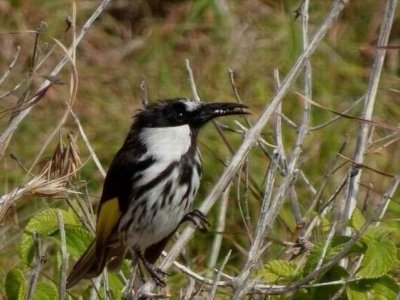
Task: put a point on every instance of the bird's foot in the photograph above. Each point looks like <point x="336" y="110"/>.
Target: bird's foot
<point x="198" y="219"/>
<point x="156" y="273"/>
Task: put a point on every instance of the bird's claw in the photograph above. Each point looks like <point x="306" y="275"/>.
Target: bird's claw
<point x="198" y="219"/>
<point x="157" y="274"/>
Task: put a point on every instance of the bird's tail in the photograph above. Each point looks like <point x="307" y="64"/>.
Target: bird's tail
<point x="88" y="266"/>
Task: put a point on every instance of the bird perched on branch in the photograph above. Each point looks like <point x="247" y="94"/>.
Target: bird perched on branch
<point x="150" y="187"/>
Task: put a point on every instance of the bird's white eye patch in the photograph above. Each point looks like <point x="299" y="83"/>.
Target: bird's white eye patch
<point x="191" y="105"/>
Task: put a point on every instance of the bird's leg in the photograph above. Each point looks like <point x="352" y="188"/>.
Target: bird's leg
<point x="198" y="219"/>
<point x="155" y="272"/>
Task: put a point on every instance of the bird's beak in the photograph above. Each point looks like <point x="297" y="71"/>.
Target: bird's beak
<point x="208" y="111"/>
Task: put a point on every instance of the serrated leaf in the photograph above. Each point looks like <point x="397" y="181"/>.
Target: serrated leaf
<point x="45" y="291"/>
<point x="386" y="287"/>
<point x="334" y="248"/>
<point x="77" y="238"/>
<point x="355" y="293"/>
<point x="380" y="257"/>
<point x="45" y="223"/>
<point x="279" y="271"/>
<point x="357" y="219"/>
<point x="15" y="285"/>
<point x="374" y="232"/>
<point x="327" y="292"/>
<point x="316" y="251"/>
<point x="325" y="224"/>
<point x="26" y="249"/>
<point x="380" y="288"/>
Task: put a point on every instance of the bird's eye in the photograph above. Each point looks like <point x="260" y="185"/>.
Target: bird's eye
<point x="179" y="117"/>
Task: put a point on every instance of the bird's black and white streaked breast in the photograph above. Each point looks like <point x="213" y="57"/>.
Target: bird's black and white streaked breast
<point x="164" y="190"/>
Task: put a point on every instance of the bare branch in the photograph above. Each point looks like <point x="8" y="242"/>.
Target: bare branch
<point x="64" y="258"/>
<point x="218" y="276"/>
<point x="241" y="280"/>
<point x="36" y="268"/>
<point x="216" y="246"/>
<point x="364" y="129"/>
<point x="254" y="133"/>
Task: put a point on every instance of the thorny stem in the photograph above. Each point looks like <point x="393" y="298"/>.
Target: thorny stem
<point x="254" y="252"/>
<point x="216" y="246"/>
<point x="64" y="258"/>
<point x="269" y="289"/>
<point x="254" y="133"/>
<point x="364" y="128"/>
<point x="266" y="220"/>
<point x="304" y="128"/>
<point x="218" y="276"/>
<point x="36" y="269"/>
<point x="278" y="126"/>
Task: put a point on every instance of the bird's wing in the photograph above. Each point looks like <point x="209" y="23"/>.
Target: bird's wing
<point x="114" y="200"/>
<point x="108" y="216"/>
<point x="116" y="196"/>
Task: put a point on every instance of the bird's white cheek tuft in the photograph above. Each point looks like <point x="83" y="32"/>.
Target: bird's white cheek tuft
<point x="167" y="142"/>
<point x="191" y="105"/>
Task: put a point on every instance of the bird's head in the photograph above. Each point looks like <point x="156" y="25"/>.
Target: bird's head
<point x="178" y="112"/>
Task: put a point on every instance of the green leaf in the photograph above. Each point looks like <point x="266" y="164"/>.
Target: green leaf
<point x="26" y="249"/>
<point x="15" y="285"/>
<point x="45" y="291"/>
<point x="386" y="287"/>
<point x="301" y="294"/>
<point x="279" y="271"/>
<point x="116" y="286"/>
<point x="377" y="232"/>
<point x="325" y="224"/>
<point x="380" y="256"/>
<point x="356" y="293"/>
<point x="334" y="248"/>
<point x="77" y="238"/>
<point x="357" y="219"/>
<point x="45" y="223"/>
<point x="380" y="288"/>
<point x="327" y="292"/>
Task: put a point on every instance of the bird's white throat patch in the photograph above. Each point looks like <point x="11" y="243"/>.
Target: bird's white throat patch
<point x="167" y="142"/>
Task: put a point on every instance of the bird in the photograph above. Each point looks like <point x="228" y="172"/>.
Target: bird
<point x="150" y="186"/>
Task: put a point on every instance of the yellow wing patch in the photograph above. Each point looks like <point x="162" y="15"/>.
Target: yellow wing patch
<point x="107" y="218"/>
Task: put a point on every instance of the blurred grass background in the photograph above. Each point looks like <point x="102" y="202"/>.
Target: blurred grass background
<point x="150" y="40"/>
